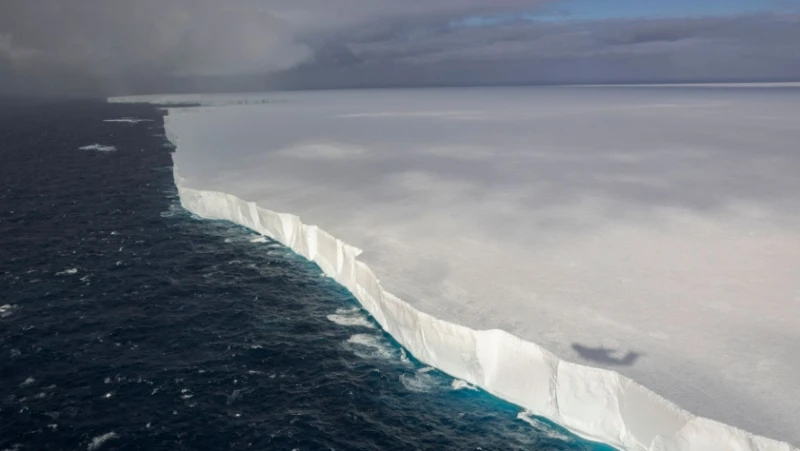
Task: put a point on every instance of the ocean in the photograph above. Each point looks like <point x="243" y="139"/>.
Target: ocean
<point x="127" y="323"/>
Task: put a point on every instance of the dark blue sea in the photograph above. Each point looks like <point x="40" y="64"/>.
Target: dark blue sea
<point x="128" y="324"/>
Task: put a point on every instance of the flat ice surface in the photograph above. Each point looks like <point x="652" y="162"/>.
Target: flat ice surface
<point x="655" y="232"/>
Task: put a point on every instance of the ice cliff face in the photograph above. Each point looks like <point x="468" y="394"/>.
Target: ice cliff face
<point x="595" y="403"/>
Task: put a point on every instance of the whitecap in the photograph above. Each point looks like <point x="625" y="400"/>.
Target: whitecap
<point x="370" y="347"/>
<point x="459" y="384"/>
<point x="99" y="148"/>
<point x="354" y="319"/>
<point x="258" y="239"/>
<point x="100" y="439"/>
<point x="421" y="381"/>
<point x="404" y="357"/>
<point x="541" y="428"/>
<point x="6" y="310"/>
<point x="67" y="272"/>
<point x="28" y="381"/>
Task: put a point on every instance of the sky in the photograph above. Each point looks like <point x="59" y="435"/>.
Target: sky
<point x="108" y="47"/>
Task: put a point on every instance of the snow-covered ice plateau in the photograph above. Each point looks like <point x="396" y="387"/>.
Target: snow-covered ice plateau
<point x="561" y="248"/>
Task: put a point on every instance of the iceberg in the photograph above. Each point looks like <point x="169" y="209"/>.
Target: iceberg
<point x="507" y="233"/>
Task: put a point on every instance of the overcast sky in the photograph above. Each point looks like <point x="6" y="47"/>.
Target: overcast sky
<point x="132" y="46"/>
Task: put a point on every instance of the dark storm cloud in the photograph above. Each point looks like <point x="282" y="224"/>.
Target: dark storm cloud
<point x="124" y="45"/>
<point x="773" y="36"/>
<point x="753" y="47"/>
<point x="113" y="42"/>
<point x="116" y="46"/>
<point x="310" y="17"/>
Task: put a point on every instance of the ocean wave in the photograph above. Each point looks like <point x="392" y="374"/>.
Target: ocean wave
<point x="67" y="272"/>
<point x="459" y="384"/>
<point x="422" y="381"/>
<point x="369" y="346"/>
<point x="7" y="310"/>
<point x="350" y="319"/>
<point x="100" y="439"/>
<point x="541" y="427"/>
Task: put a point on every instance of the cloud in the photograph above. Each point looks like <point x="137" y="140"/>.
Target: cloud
<point x="315" y="17"/>
<point x="772" y="34"/>
<point x="630" y="50"/>
<point x="124" y="46"/>
<point x="117" y="41"/>
<point x="203" y="37"/>
<point x="12" y="53"/>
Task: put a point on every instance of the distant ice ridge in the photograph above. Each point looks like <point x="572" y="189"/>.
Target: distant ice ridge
<point x="196" y="99"/>
<point x="257" y="98"/>
<point x="99" y="148"/>
<point x="127" y="120"/>
<point x="594" y="403"/>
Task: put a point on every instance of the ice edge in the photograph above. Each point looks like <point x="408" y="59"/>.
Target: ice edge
<point x="594" y="403"/>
